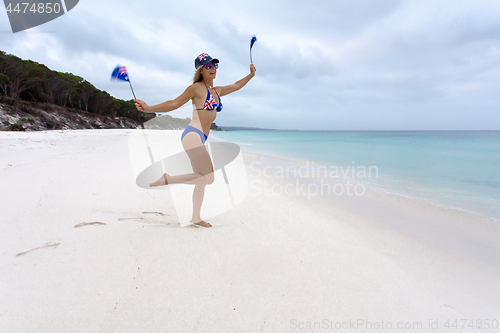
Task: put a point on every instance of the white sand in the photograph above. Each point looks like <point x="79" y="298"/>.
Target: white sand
<point x="272" y="264"/>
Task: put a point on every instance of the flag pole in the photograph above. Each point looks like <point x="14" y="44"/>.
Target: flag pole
<point x="131" y="89"/>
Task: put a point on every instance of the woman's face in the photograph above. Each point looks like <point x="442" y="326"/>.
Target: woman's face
<point x="209" y="71"/>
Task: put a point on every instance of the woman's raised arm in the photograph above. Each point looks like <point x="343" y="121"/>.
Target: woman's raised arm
<point x="168" y="105"/>
<point x="225" y="90"/>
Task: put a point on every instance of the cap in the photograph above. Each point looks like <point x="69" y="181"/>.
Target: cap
<point x="203" y="59"/>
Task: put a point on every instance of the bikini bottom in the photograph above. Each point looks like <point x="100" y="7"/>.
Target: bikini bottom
<point x="190" y="128"/>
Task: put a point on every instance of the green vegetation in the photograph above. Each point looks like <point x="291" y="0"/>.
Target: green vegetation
<point x="33" y="82"/>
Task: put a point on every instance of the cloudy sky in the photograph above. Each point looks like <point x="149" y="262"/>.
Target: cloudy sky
<point x="321" y="64"/>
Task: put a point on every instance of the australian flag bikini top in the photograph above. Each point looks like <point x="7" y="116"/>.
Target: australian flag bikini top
<point x="210" y="103"/>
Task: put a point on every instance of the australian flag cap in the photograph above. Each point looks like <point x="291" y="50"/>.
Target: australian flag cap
<point x="203" y="59"/>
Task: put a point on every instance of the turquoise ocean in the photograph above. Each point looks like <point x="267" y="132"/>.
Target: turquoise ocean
<point x="457" y="169"/>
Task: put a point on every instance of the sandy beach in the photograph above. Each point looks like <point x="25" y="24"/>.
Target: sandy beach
<point x="84" y="249"/>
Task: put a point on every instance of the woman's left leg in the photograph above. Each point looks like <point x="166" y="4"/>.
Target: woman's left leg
<point x="198" y="195"/>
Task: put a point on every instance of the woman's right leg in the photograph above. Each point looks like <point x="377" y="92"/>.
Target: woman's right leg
<point x="200" y="161"/>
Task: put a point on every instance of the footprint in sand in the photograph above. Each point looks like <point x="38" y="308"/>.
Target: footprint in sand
<point x="147" y="220"/>
<point x="141" y="218"/>
<point x="89" y="223"/>
<point x="130" y="218"/>
<point x="155" y="213"/>
<point x="48" y="245"/>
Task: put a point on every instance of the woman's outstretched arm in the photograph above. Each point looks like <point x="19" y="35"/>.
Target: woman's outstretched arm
<point x="168" y="105"/>
<point x="225" y="90"/>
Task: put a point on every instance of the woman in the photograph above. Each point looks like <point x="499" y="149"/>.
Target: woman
<point x="206" y="101"/>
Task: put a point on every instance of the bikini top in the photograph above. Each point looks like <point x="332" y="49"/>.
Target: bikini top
<point x="210" y="103"/>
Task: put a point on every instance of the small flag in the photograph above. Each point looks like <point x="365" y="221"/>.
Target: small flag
<point x="254" y="39"/>
<point x="120" y="73"/>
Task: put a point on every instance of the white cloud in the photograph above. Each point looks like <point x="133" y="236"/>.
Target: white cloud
<point x="321" y="64"/>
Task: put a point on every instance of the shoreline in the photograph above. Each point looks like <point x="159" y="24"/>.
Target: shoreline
<point x="385" y="185"/>
<point x="464" y="232"/>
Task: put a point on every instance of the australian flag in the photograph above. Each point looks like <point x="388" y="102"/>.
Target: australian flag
<point x="120" y="73"/>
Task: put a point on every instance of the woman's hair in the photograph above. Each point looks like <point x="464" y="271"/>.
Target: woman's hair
<point x="197" y="75"/>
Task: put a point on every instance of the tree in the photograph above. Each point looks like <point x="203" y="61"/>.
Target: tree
<point x="20" y="75"/>
<point x="84" y="90"/>
<point x="4" y="83"/>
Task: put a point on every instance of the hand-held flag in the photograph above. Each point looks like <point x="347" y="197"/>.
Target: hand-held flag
<point x="252" y="41"/>
<point x="120" y="73"/>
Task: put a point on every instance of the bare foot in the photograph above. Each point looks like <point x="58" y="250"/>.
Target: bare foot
<point x="161" y="181"/>
<point x="203" y="224"/>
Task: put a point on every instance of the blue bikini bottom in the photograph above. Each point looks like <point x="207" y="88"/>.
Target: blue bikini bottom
<point x="190" y="128"/>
